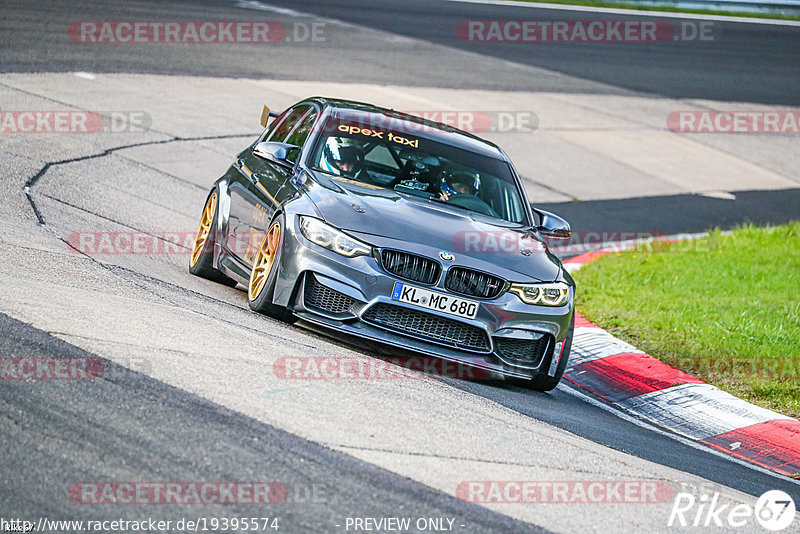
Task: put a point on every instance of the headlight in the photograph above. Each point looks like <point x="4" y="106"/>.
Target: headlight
<point x="329" y="237"/>
<point x="552" y="294"/>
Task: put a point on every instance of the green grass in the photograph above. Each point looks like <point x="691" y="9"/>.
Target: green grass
<point x="665" y="8"/>
<point x="725" y="308"/>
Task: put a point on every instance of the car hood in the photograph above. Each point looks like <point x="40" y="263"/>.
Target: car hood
<point x="384" y="218"/>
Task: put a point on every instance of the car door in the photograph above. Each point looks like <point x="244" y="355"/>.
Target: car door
<point x="253" y="206"/>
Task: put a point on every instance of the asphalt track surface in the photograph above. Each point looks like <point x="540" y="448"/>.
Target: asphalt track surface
<point x="680" y="214"/>
<point x="140" y="427"/>
<point x="129" y="423"/>
<point x="744" y="62"/>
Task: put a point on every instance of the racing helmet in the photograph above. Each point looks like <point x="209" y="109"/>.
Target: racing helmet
<point x="342" y="157"/>
<point x="461" y="182"/>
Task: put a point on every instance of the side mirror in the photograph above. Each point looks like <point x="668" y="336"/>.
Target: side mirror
<point x="266" y="114"/>
<point x="275" y="152"/>
<point x="553" y="226"/>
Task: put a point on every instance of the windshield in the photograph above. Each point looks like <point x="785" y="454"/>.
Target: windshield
<point x="418" y="166"/>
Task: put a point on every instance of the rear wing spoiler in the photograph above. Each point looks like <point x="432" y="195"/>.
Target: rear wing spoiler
<point x="266" y="113"/>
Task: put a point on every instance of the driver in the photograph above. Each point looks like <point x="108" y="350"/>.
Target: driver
<point x="459" y="183"/>
<point x="343" y="157"/>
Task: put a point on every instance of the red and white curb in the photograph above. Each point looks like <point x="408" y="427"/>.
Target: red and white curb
<point x="649" y="388"/>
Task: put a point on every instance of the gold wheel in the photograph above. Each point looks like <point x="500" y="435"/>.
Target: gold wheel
<point x="265" y="257"/>
<point x="203" y="229"/>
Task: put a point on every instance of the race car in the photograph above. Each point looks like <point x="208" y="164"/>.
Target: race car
<point x="393" y="228"/>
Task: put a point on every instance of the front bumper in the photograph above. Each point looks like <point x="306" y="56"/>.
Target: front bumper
<point x="354" y="288"/>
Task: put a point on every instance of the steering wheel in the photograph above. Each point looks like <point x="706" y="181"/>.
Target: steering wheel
<point x="472" y="203"/>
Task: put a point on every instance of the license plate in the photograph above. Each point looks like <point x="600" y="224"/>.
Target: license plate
<point x="433" y="300"/>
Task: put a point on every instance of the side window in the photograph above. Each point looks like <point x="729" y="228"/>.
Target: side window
<point x="268" y="130"/>
<point x="272" y="125"/>
<point x="300" y="134"/>
<point x="291" y="119"/>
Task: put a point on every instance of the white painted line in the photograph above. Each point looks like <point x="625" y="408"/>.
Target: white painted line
<point x="721" y="195"/>
<point x="261" y="6"/>
<point x="680" y="439"/>
<point x="84" y="75"/>
<point x="634" y="12"/>
<point x="698" y="411"/>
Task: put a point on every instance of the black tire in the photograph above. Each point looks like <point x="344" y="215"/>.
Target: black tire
<point x="544" y="382"/>
<point x="203" y="264"/>
<point x="261" y="301"/>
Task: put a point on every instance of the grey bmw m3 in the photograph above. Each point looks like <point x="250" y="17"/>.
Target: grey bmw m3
<point x="396" y="229"/>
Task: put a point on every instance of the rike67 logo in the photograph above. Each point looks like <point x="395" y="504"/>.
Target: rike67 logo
<point x="774" y="510"/>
